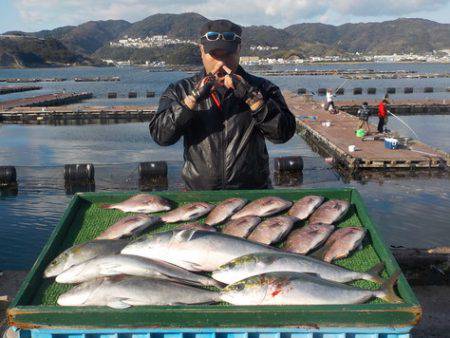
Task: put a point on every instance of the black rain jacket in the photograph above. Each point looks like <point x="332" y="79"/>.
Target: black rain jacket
<point x="224" y="148"/>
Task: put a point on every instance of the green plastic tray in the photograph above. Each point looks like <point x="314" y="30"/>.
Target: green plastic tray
<point x="35" y="303"/>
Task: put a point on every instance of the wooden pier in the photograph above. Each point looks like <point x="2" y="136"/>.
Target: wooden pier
<point x="334" y="141"/>
<point x="17" y="89"/>
<point x="56" y="99"/>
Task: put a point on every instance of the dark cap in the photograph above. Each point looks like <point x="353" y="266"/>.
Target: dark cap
<point x="220" y="26"/>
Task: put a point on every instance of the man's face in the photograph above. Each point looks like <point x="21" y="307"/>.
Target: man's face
<point x="218" y="58"/>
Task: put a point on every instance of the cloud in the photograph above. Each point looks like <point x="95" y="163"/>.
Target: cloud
<point x="279" y="13"/>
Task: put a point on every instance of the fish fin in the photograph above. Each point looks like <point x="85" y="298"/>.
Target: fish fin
<point x="184" y="235"/>
<point x="387" y="292"/>
<point x="109" y="269"/>
<point x="191" y="266"/>
<point x="118" y="303"/>
<point x="319" y="253"/>
<point x="106" y="206"/>
<point x="374" y="272"/>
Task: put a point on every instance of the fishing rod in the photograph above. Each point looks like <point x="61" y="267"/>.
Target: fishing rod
<point x="404" y="123"/>
<point x="340" y="86"/>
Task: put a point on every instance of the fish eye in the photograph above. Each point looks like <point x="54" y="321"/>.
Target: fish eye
<point x="239" y="287"/>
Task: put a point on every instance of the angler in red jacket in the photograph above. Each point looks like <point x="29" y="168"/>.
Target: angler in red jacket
<point x="382" y="115"/>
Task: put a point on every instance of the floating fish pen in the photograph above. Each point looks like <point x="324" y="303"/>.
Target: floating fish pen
<point x="97" y="79"/>
<point x="56" y="99"/>
<point x="86" y="114"/>
<point x="32" y="80"/>
<point x="9" y="90"/>
<point x="35" y="313"/>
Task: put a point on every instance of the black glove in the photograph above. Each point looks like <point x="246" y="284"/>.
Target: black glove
<point x="244" y="90"/>
<point x="200" y="93"/>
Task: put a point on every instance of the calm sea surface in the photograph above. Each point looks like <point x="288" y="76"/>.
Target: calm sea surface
<point x="412" y="211"/>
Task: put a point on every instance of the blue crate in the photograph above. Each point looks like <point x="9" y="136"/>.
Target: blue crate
<point x="307" y="332"/>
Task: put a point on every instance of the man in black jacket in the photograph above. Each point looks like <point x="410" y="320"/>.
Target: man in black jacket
<point x="224" y="115"/>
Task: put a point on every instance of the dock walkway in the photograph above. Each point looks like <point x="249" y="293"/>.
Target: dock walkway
<point x="55" y="99"/>
<point x="334" y="141"/>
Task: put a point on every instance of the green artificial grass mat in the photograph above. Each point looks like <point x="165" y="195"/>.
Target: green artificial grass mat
<point x="91" y="220"/>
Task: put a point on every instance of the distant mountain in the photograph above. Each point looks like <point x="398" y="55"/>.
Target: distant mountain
<point x="306" y="39"/>
<point x="27" y="51"/>
<point x="186" y="25"/>
<point x="397" y="36"/>
<point x="85" y="38"/>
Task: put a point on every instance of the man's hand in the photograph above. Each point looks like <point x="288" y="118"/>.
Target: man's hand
<point x="203" y="88"/>
<point x="243" y="90"/>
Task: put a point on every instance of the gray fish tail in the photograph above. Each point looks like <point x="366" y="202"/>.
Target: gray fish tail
<point x="373" y="274"/>
<point x="387" y="292"/>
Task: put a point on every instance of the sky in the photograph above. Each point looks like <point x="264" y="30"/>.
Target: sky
<point x="34" y="15"/>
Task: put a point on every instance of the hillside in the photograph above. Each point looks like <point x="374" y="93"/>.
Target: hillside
<point x="25" y="51"/>
<point x="305" y="39"/>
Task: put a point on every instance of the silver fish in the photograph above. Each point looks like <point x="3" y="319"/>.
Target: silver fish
<point x="129" y="225"/>
<point x="342" y="242"/>
<point x="112" y="265"/>
<point x="224" y="210"/>
<point x="83" y="252"/>
<point x="258" y="263"/>
<point x="121" y="292"/>
<point x="330" y="212"/>
<point x="194" y="250"/>
<point x="291" y="288"/>
<point x="196" y="226"/>
<point x="272" y="230"/>
<point x="187" y="212"/>
<point x="263" y="207"/>
<point x="141" y="203"/>
<point x="241" y="227"/>
<point x="304" y="239"/>
<point x="305" y="206"/>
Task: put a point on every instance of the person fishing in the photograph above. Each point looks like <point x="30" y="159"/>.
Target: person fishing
<point x="382" y="115"/>
<point x="363" y="115"/>
<point x="329" y="104"/>
<point x="224" y="115"/>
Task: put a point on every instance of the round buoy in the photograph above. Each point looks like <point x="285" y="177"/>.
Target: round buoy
<point x="79" y="172"/>
<point x="152" y="169"/>
<point x="8" y="175"/>
<point x="288" y="164"/>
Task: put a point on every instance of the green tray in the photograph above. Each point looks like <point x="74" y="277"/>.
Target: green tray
<point x="35" y="303"/>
